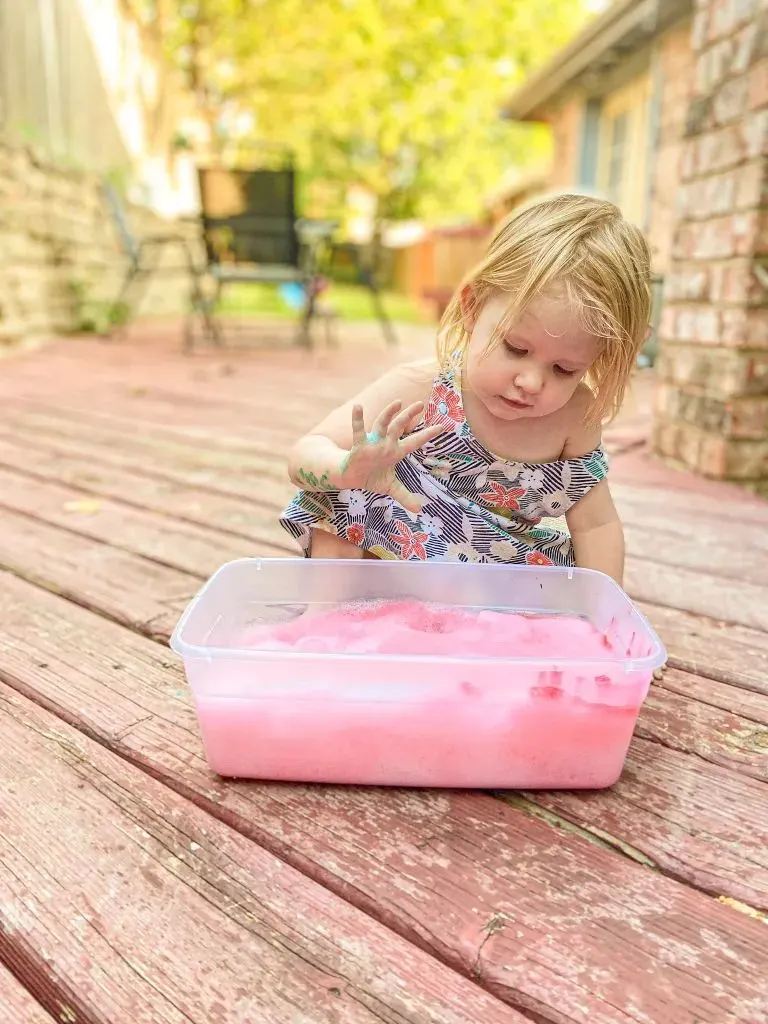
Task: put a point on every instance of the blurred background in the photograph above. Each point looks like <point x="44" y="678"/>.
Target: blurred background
<point x="332" y="162"/>
<point x="411" y="125"/>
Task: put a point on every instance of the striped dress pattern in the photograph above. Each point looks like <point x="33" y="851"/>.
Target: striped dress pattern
<point x="479" y="507"/>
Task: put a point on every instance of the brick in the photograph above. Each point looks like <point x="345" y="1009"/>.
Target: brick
<point x="744" y="328"/>
<point x="688" y="444"/>
<point x="758" y="85"/>
<point x="756" y="375"/>
<point x="687" y="285"/>
<point x="748" y="45"/>
<point x="700" y="28"/>
<point x="761" y="234"/>
<point x="726" y="147"/>
<point x="668" y="324"/>
<point x="751" y="185"/>
<point x="731" y="101"/>
<point x="708" y="326"/>
<point x="711" y="457"/>
<point x="53" y="230"/>
<point x="748" y="418"/>
<point x="745" y="9"/>
<point x="738" y="284"/>
<point x="707" y="412"/>
<point x="685" y="324"/>
<point x="716" y="239"/>
<point x="723" y="19"/>
<point x="746" y="459"/>
<point x="684" y="241"/>
<point x="723" y="372"/>
<point x="689" y="164"/>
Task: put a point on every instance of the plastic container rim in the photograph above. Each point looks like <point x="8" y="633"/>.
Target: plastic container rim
<point x="206" y="652"/>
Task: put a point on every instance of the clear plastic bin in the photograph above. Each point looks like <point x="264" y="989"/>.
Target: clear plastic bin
<point x="459" y="722"/>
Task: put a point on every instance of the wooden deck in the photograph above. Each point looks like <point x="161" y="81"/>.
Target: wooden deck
<point x="138" y="888"/>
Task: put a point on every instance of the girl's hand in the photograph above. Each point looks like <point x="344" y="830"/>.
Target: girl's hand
<point x="370" y="463"/>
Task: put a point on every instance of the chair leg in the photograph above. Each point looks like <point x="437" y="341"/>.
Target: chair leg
<point x="213" y="330"/>
<point x="304" y="333"/>
<point x="136" y="280"/>
<point x="133" y="272"/>
<point x="378" y="307"/>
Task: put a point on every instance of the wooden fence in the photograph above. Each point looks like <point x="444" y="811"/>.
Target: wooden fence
<point x="53" y="97"/>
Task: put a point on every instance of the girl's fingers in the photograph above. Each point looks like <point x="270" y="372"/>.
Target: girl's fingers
<point x="381" y="426"/>
<point x="404" y="419"/>
<point x="419" y="438"/>
<point x="358" y="426"/>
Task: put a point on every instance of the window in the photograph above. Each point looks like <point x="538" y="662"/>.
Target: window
<point x="590" y="135"/>
<point x="623" y="164"/>
<point x="617" y="157"/>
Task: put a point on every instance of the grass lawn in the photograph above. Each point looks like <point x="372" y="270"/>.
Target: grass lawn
<point x="351" y="302"/>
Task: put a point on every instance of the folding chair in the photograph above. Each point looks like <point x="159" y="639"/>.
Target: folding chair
<point x="252" y="235"/>
<point x="143" y="255"/>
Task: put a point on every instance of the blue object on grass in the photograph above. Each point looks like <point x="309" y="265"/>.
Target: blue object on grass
<point x="292" y="294"/>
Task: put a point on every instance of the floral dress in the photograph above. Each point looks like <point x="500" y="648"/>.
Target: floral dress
<point x="481" y="509"/>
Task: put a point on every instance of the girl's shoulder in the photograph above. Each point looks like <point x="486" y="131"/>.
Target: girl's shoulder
<point x="420" y="371"/>
<point x="582" y="434"/>
<point x="413" y="380"/>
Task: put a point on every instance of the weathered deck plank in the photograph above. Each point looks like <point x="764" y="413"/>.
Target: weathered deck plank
<point x="124" y="486"/>
<point x="180" y="545"/>
<point x="710" y="647"/>
<point x="439" y="867"/>
<point x="687" y="584"/>
<point x="239" y="516"/>
<point x="18" y="1005"/>
<point x="136" y="591"/>
<point x="140" y="908"/>
<point x="686" y="714"/>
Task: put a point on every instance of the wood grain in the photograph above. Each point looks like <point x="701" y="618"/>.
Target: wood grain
<point x="700" y="716"/>
<point x="572" y="928"/>
<point x="178" y="501"/>
<point x="687" y="584"/>
<point x="18" y="1005"/>
<point x="710" y="647"/>
<point x="147" y="909"/>
<point x="136" y="591"/>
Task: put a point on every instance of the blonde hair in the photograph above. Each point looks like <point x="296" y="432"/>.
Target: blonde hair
<point x="578" y="244"/>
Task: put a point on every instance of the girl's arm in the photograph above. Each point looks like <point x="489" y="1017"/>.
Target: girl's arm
<point x="322" y="459"/>
<point x="593" y="522"/>
<point x="597" y="533"/>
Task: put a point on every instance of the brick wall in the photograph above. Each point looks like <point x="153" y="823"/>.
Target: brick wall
<point x="712" y="410"/>
<point x="676" y="74"/>
<point x="60" y="258"/>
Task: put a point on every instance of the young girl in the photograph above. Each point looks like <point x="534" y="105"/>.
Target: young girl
<point x="492" y="451"/>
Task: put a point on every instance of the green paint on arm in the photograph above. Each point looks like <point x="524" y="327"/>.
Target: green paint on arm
<point x="312" y="482"/>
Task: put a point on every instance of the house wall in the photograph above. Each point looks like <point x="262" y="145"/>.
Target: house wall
<point x="712" y="410"/>
<point x="674" y="75"/>
<point x="655" y="87"/>
<point x="566" y="122"/>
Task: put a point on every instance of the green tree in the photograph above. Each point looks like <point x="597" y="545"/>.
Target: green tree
<point x="401" y="96"/>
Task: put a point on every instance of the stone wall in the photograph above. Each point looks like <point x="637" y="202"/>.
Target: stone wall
<point x="712" y="410"/>
<point x="61" y="261"/>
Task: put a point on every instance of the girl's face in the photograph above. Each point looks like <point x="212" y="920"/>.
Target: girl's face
<point x="536" y="368"/>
